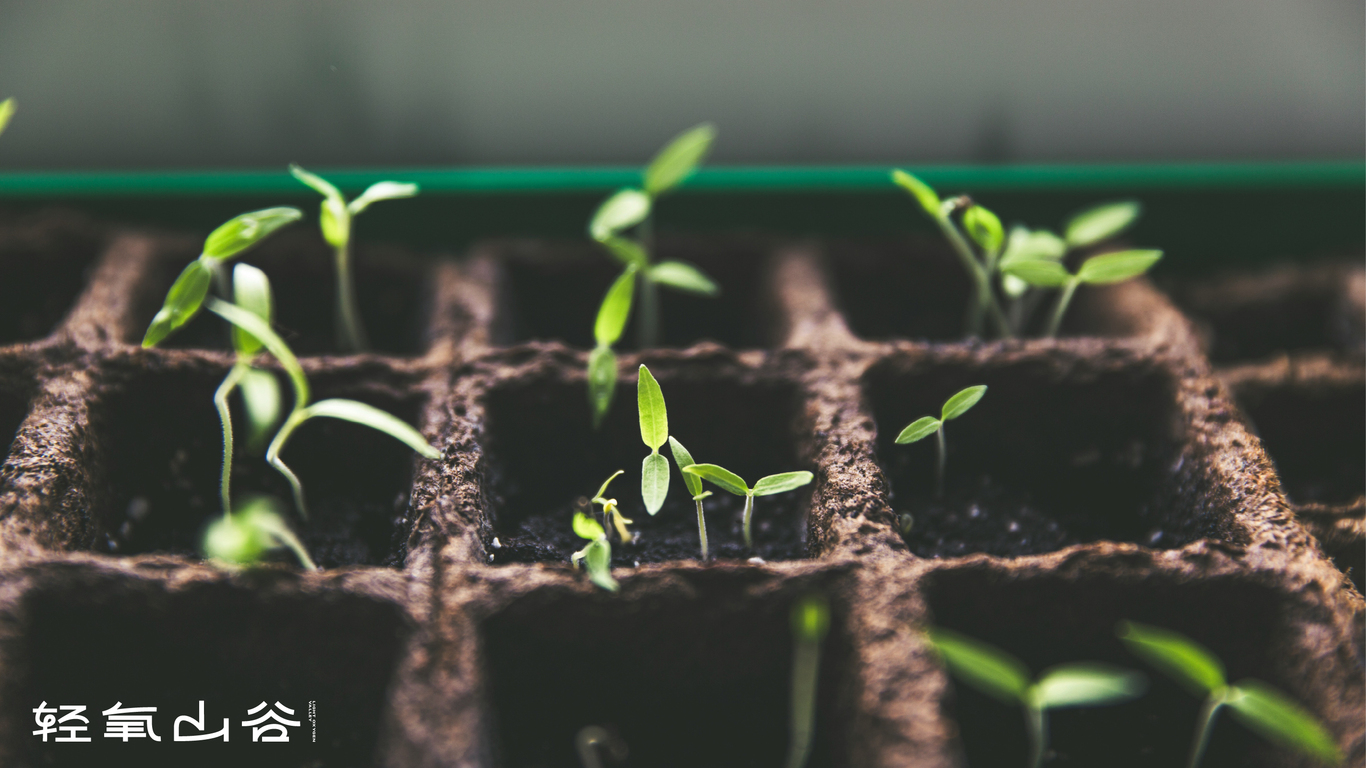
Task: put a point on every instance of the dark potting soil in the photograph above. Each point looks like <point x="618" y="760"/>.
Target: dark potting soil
<point x="44" y="261"/>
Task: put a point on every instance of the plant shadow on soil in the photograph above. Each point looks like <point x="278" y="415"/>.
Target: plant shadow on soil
<point x="393" y="290"/>
<point x="164" y="454"/>
<point x="1044" y="461"/>
<point x="555" y="293"/>
<point x="544" y="460"/>
<point x="1050" y="620"/>
<point x="95" y="641"/>
<point x="695" y="679"/>
<point x="44" y="262"/>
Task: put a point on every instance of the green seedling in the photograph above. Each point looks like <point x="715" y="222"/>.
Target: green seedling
<point x="594" y="740"/>
<point x="1255" y="704"/>
<point x="1005" y="678"/>
<point x="694" y="484"/>
<point x="611" y="516"/>
<point x="1098" y="270"/>
<point x="190" y="289"/>
<point x="810" y="622"/>
<point x="602" y="361"/>
<point x="766" y="486"/>
<point x="654" y="430"/>
<point x="924" y="426"/>
<point x="597" y="555"/>
<point x="6" y="112"/>
<point x="243" y="537"/>
<point x="335" y="222"/>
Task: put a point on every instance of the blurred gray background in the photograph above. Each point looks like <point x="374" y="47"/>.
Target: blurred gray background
<point x="173" y="83"/>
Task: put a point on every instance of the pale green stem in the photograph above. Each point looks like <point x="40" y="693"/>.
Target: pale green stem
<point x="806" y="658"/>
<point x="702" y="529"/>
<point x="941" y="458"/>
<point x="749" y="512"/>
<point x="350" y="332"/>
<point x="1205" y="725"/>
<point x="983" y="298"/>
<point x="1036" y="720"/>
<point x="1064" y="299"/>
<point x="296" y="418"/>
<point x="287" y="537"/>
<point x="220" y="401"/>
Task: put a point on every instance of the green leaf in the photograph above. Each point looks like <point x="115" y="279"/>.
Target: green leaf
<point x="781" y="483"/>
<point x="1101" y="222"/>
<point x="960" y="403"/>
<point x="602" y="382"/>
<point x="244" y="536"/>
<point x="588" y="528"/>
<point x="920" y="190"/>
<point x="250" y="291"/>
<point x="615" y="309"/>
<point x="623" y="210"/>
<point x="240" y="233"/>
<point x="1086" y="684"/>
<point x="918" y="430"/>
<point x="654" y="419"/>
<point x="811" y="618"/>
<point x="1025" y="245"/>
<point x="262" y="402"/>
<point x="984" y="228"/>
<point x="627" y="252"/>
<point x="182" y="302"/>
<point x="262" y="330"/>
<point x="1116" y="267"/>
<point x="677" y="160"/>
<point x="1275" y="716"/>
<point x="607" y="482"/>
<point x="1039" y="272"/>
<point x="335" y="222"/>
<point x="1175" y="655"/>
<point x="1013" y="286"/>
<point x="684" y="459"/>
<point x="722" y="477"/>
<point x="317" y="183"/>
<point x="370" y="416"/>
<point x="984" y="667"/>
<point x="6" y="112"/>
<point x="598" y="555"/>
<point x="654" y="482"/>
<point x="684" y="277"/>
<point x="382" y="190"/>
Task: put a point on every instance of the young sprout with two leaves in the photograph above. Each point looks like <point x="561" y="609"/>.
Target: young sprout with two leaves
<point x="1098" y="270"/>
<point x="694" y="484"/>
<point x="810" y="622"/>
<point x="654" y="431"/>
<point x="243" y="537"/>
<point x="335" y="221"/>
<point x="766" y="486"/>
<point x="611" y="515"/>
<point x="1255" y="704"/>
<point x="1005" y="678"/>
<point x="924" y="426"/>
<point x="598" y="554"/>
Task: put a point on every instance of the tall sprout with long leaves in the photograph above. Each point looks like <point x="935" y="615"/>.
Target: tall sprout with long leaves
<point x="335" y="220"/>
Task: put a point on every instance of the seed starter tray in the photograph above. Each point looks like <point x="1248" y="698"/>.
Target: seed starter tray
<point x="1113" y="473"/>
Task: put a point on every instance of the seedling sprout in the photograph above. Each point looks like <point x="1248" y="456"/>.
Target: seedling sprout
<point x="593" y="740"/>
<point x="1098" y="270"/>
<point x="694" y="484"/>
<point x="607" y="329"/>
<point x="924" y="426"/>
<point x="244" y="536"/>
<point x="597" y="555"/>
<point x="810" y="622"/>
<point x="654" y="430"/>
<point x="1005" y="678"/>
<point x="1255" y="704"/>
<point x="766" y="486"/>
<point x="610" y="514"/>
<point x="335" y="221"/>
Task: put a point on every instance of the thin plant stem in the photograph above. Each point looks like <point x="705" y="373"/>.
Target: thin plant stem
<point x="806" y="659"/>
<point x="749" y="512"/>
<point x="1204" y="725"/>
<point x="287" y="537"/>
<point x="940" y="460"/>
<point x="1064" y="299"/>
<point x="1036" y="720"/>
<point x="702" y="529"/>
<point x="220" y="401"/>
<point x="984" y="301"/>
<point x="273" y="458"/>
<point x="350" y="332"/>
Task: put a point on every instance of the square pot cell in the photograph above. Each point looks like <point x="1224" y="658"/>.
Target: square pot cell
<point x="1046" y="619"/>
<point x="162" y="453"/>
<point x="393" y="291"/>
<point x="15" y="394"/>
<point x="1053" y="455"/>
<point x="44" y="261"/>
<point x="1315" y="432"/>
<point x="553" y="291"/>
<point x="544" y="460"/>
<point x="97" y="641"/>
<point x="684" y="679"/>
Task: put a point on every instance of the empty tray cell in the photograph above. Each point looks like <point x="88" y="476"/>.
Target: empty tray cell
<point x="98" y="641"/>
<point x="163" y="454"/>
<point x="1059" y="451"/>
<point x="1048" y="618"/>
<point x="553" y="291"/>
<point x="544" y="461"/>
<point x="15" y="393"/>
<point x="685" y="677"/>
<point x="393" y="291"/>
<point x="44" y="259"/>
<point x="1315" y="431"/>
<point x="1251" y="315"/>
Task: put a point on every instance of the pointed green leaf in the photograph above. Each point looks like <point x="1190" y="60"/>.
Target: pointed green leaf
<point x="985" y="667"/>
<point x="370" y="416"/>
<point x="722" y="477"/>
<point x="607" y="482"/>
<point x="1039" y="272"/>
<point x="1101" y="222"/>
<point x="588" y="528"/>
<point x="1013" y="286"/>
<point x="317" y="183"/>
<point x="623" y="210"/>
<point x="615" y="309"/>
<point x="1275" y="716"/>
<point x="598" y="555"/>
<point x="240" y="233"/>
<point x="627" y="252"/>
<point x="6" y="112"/>
<point x="1024" y="245"/>
<point x="654" y="419"/>
<point x="960" y="403"/>
<point x="685" y="277"/>
<point x="781" y="483"/>
<point x="1116" y="267"/>
<point x="810" y="618"/>
<point x="918" y="430"/>
<point x="602" y="382"/>
<point x="684" y="459"/>
<point x="250" y="291"/>
<point x="654" y="482"/>
<point x="678" y="159"/>
<point x="382" y="190"/>
<point x="1087" y="684"/>
<point x="920" y="190"/>
<point x="1175" y="655"/>
<point x="262" y="402"/>
<point x="984" y="228"/>
<point x="182" y="302"/>
<point x="262" y="330"/>
<point x="335" y="222"/>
